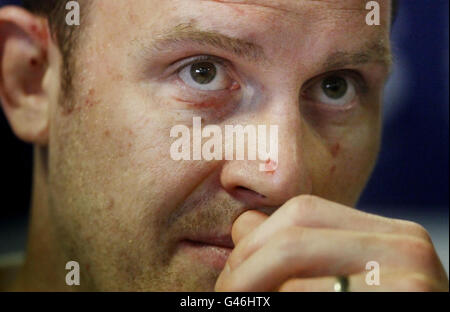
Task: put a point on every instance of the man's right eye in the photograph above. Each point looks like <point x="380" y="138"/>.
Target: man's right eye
<point x="206" y="76"/>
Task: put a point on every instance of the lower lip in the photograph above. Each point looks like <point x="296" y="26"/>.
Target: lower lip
<point x="211" y="255"/>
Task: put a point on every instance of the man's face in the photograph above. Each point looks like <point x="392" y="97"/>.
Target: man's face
<point x="128" y="212"/>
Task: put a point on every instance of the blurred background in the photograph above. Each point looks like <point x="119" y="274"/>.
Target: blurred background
<point x="411" y="179"/>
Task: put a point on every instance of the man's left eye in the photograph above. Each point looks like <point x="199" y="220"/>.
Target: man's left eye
<point x="335" y="90"/>
<point x="206" y="76"/>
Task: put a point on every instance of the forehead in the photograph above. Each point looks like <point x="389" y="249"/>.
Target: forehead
<point x="295" y="6"/>
<point x="247" y="19"/>
<point x="286" y="7"/>
<point x="236" y="15"/>
<point x="299" y="31"/>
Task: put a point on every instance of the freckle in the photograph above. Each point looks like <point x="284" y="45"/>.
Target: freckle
<point x="335" y="149"/>
<point x="91" y="91"/>
<point x="110" y="205"/>
<point x="333" y="169"/>
<point x="67" y="111"/>
<point x="107" y="133"/>
<point x="33" y="62"/>
<point x="130" y="132"/>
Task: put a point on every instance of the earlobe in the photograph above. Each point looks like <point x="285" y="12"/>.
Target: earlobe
<point x="23" y="66"/>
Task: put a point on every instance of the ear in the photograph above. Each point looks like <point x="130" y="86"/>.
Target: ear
<point x="24" y="41"/>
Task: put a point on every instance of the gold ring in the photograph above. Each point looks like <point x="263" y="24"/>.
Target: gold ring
<point x="342" y="284"/>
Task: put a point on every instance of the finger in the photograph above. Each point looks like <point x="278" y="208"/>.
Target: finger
<point x="246" y="223"/>
<point x="333" y="252"/>
<point x="411" y="282"/>
<point x="311" y="211"/>
<point x="321" y="284"/>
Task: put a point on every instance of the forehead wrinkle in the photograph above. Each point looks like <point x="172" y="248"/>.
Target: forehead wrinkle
<point x="345" y="5"/>
<point x="189" y="32"/>
<point x="274" y="6"/>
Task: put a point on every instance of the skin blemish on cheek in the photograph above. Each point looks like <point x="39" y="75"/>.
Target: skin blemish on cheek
<point x="110" y="204"/>
<point x="67" y="111"/>
<point x="33" y="62"/>
<point x="334" y="150"/>
<point x="89" y="102"/>
<point x="332" y="169"/>
<point x="270" y="166"/>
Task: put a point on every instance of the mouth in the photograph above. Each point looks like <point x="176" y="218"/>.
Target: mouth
<point x="210" y="250"/>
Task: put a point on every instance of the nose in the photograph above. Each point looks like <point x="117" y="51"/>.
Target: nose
<point x="284" y="177"/>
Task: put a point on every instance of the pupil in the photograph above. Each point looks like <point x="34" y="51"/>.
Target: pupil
<point x="203" y="73"/>
<point x="334" y="87"/>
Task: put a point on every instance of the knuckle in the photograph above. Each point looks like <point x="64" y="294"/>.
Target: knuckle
<point x="420" y="251"/>
<point x="300" y="207"/>
<point x="422" y="247"/>
<point x="418" y="230"/>
<point x="288" y="240"/>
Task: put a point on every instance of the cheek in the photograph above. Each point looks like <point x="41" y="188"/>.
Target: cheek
<point x="106" y="169"/>
<point x="353" y="169"/>
<point x="342" y="169"/>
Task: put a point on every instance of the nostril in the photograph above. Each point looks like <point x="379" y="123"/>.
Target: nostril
<point x="243" y="189"/>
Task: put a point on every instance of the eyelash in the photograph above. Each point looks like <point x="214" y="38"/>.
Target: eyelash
<point x="361" y="83"/>
<point x="201" y="58"/>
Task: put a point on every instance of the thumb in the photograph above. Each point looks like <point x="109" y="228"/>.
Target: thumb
<point x="246" y="223"/>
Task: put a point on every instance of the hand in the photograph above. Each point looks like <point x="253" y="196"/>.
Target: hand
<point x="309" y="241"/>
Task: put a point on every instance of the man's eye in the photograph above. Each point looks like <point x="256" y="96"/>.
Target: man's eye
<point x="206" y="76"/>
<point x="333" y="90"/>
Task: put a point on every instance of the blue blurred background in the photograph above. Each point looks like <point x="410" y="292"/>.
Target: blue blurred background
<point x="411" y="180"/>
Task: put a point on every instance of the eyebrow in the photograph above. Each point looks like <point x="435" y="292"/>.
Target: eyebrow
<point x="189" y="33"/>
<point x="374" y="52"/>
